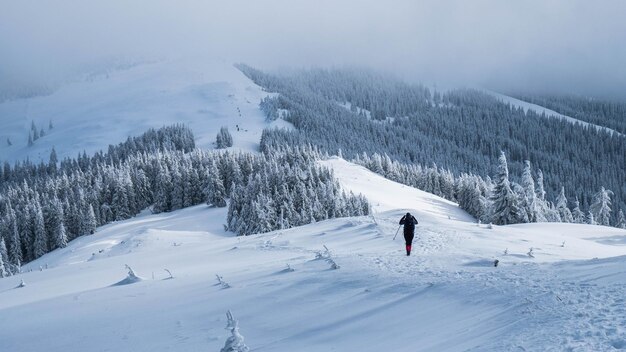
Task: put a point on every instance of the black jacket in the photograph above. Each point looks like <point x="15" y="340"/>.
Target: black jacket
<point x="409" y="224"/>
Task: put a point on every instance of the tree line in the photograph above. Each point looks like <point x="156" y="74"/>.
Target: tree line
<point x="43" y="208"/>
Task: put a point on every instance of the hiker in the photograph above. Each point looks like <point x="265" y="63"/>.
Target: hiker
<point x="409" y="222"/>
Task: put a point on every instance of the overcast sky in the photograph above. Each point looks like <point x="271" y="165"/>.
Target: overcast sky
<point x="567" y="46"/>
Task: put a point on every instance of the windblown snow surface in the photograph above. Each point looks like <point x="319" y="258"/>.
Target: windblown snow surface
<point x="447" y="296"/>
<point x="100" y="109"/>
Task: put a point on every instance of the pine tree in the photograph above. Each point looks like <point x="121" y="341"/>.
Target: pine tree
<point x="224" y="139"/>
<point x="40" y="244"/>
<point x="621" y="220"/>
<point x="4" y="260"/>
<point x="561" y="207"/>
<point x="577" y="214"/>
<point x="88" y="221"/>
<point x="506" y="208"/>
<point x="52" y="163"/>
<point x="530" y="203"/>
<point x="601" y="207"/>
<point x="216" y="195"/>
<point x="541" y="193"/>
<point x="590" y="219"/>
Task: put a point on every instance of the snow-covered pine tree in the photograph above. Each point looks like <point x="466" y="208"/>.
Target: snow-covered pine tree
<point x="590" y="218"/>
<point x="530" y="202"/>
<point x="561" y="207"/>
<point x="40" y="241"/>
<point x="88" y="221"/>
<point x="224" y="138"/>
<point x="4" y="260"/>
<point x="506" y="209"/>
<point x="235" y="342"/>
<point x="601" y="207"/>
<point x="577" y="215"/>
<point x="215" y="192"/>
<point x="621" y="220"/>
<point x="177" y="195"/>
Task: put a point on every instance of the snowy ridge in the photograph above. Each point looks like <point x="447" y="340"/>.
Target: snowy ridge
<point x="446" y="297"/>
<point x="548" y="113"/>
<point x="105" y="109"/>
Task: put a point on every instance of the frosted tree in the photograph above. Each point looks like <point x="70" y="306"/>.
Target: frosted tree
<point x="530" y="202"/>
<point x="53" y="161"/>
<point x="223" y="139"/>
<point x="577" y="215"/>
<point x="88" y="221"/>
<point x="590" y="219"/>
<point x="177" y="194"/>
<point x="40" y="244"/>
<point x="234" y="343"/>
<point x="601" y="207"/>
<point x="216" y="194"/>
<point x="561" y="207"/>
<point x="506" y="208"/>
<point x="4" y="260"/>
<point x="621" y="220"/>
<point x="58" y="235"/>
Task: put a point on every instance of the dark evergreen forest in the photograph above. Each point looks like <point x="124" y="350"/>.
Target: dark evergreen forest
<point x="463" y="131"/>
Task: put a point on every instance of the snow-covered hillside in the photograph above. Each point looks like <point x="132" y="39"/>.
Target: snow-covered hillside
<point x="448" y="296"/>
<point x="547" y="112"/>
<point x="98" y="110"/>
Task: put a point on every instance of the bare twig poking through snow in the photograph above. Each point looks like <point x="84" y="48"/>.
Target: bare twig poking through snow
<point x="506" y="251"/>
<point x="495" y="263"/>
<point x="332" y="263"/>
<point x="131" y="273"/>
<point x="130" y="279"/>
<point x="234" y="343"/>
<point x="289" y="268"/>
<point x="327" y="256"/>
<point x="530" y="253"/>
<point x="170" y="273"/>
<point x="563" y="244"/>
<point x="221" y="282"/>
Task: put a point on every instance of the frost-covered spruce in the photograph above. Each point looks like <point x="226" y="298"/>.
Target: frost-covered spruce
<point x="4" y="260"/>
<point x="601" y="207"/>
<point x="561" y="207"/>
<point x="224" y="139"/>
<point x="506" y="209"/>
<point x="234" y="343"/>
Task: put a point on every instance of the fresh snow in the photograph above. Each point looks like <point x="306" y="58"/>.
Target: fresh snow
<point x="98" y="110"/>
<point x="446" y="297"/>
<point x="547" y="112"/>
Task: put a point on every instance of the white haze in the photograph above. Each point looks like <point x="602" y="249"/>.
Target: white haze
<point x="562" y="46"/>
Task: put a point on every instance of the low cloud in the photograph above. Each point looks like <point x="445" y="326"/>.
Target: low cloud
<point x="548" y="46"/>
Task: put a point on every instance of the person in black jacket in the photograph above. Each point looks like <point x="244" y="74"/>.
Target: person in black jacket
<point x="409" y="222"/>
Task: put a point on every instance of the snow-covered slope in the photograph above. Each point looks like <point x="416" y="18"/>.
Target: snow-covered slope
<point x="547" y="112"/>
<point x="98" y="110"/>
<point x="445" y="297"/>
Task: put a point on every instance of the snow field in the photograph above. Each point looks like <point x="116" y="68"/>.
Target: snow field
<point x="91" y="113"/>
<point x="447" y="296"/>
